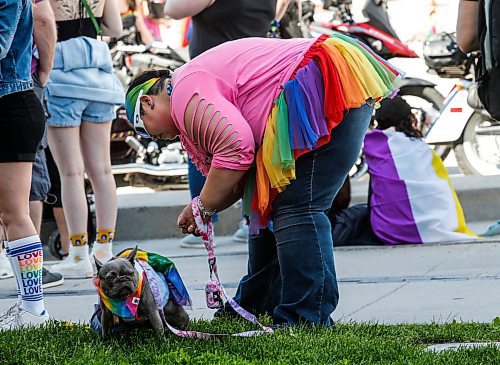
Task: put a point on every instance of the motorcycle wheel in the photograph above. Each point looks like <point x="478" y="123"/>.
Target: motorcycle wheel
<point x="54" y="243"/>
<point x="427" y="101"/>
<point x="479" y="153"/>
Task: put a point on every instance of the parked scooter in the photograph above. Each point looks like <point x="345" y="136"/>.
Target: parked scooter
<point x="378" y="34"/>
<point x="472" y="133"/>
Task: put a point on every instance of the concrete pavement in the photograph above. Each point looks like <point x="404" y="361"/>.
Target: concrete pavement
<point x="400" y="284"/>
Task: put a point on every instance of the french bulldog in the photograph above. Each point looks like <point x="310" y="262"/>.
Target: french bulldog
<point x="118" y="279"/>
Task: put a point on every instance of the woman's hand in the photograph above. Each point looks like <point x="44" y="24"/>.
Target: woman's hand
<point x="186" y="221"/>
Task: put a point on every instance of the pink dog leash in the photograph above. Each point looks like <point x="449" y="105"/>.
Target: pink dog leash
<point x="206" y="232"/>
<point x="216" y="294"/>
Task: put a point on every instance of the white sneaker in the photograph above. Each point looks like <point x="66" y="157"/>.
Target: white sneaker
<point x="77" y="265"/>
<point x="5" y="268"/>
<point x="102" y="251"/>
<point x="16" y="317"/>
<point x="241" y="235"/>
<point x="191" y="241"/>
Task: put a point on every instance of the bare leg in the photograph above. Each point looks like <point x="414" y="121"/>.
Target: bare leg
<point x="15" y="182"/>
<point x="36" y="210"/>
<point x="63" y="229"/>
<point x="95" y="141"/>
<point x="65" y="147"/>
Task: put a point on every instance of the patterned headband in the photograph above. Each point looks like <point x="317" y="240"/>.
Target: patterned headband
<point x="132" y="95"/>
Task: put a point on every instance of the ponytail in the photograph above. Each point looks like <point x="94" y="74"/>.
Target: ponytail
<point x="407" y="126"/>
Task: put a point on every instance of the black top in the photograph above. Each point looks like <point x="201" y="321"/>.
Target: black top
<point x="227" y="20"/>
<point x="75" y="28"/>
<point x="74" y="21"/>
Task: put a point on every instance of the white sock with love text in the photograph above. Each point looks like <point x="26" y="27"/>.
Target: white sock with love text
<point x="26" y="257"/>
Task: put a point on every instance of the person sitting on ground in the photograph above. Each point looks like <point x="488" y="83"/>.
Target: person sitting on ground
<point x="411" y="199"/>
<point x="252" y="113"/>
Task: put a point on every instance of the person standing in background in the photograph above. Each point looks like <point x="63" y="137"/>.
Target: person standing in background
<point x="131" y="12"/>
<point x="45" y="38"/>
<point x="215" y="22"/>
<point x="81" y="95"/>
<point x="22" y="124"/>
<point x="467" y="26"/>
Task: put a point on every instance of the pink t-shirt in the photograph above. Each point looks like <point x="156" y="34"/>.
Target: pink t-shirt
<point x="234" y="86"/>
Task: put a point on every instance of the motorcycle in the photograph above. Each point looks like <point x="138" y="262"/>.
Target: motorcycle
<point x="136" y="161"/>
<point x="378" y="33"/>
<point x="463" y="124"/>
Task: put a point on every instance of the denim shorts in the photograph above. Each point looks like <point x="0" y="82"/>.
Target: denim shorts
<point x="40" y="182"/>
<point x="70" y="112"/>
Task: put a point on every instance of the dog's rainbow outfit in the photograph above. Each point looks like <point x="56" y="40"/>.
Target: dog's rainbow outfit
<point x="153" y="267"/>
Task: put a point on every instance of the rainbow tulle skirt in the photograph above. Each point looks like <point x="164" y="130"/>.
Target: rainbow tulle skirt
<point x="337" y="73"/>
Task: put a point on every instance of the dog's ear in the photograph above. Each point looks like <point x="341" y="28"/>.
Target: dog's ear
<point x="98" y="264"/>
<point x="131" y="255"/>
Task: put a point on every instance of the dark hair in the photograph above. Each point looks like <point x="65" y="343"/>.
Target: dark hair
<point x="158" y="87"/>
<point x="407" y="126"/>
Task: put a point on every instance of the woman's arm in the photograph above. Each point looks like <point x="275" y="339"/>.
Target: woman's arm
<point x="281" y="6"/>
<point x="178" y="9"/>
<point x="111" y="20"/>
<point x="222" y="188"/>
<point x="217" y="128"/>
<point x="467" y="26"/>
<point x="45" y="37"/>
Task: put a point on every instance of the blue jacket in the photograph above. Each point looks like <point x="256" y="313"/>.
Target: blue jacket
<point x="83" y="70"/>
<point x="16" y="28"/>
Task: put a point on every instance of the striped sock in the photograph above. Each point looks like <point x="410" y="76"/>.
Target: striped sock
<point x="27" y="260"/>
<point x="13" y="263"/>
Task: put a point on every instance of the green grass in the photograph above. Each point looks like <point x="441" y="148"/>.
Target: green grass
<point x="347" y="344"/>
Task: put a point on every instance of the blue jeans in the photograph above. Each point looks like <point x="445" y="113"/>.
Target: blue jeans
<point x="291" y="271"/>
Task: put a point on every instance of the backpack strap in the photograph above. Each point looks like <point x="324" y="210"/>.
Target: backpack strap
<point x="92" y="18"/>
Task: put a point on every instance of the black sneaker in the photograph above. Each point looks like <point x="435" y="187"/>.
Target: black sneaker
<point x="51" y="279"/>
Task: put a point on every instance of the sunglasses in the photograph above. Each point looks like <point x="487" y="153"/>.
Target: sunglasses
<point x="138" y="123"/>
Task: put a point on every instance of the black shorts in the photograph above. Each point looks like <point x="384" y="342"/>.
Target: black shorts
<point x="22" y="123"/>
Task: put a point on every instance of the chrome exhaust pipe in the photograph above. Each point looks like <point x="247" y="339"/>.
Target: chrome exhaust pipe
<point x="164" y="170"/>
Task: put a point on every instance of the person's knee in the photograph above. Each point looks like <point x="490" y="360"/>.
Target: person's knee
<point x="72" y="171"/>
<point x="100" y="175"/>
<point x="13" y="215"/>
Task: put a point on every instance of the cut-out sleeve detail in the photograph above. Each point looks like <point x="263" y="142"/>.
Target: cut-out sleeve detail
<point x="214" y="131"/>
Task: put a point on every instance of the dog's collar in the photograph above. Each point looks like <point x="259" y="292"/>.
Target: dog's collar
<point x="124" y="308"/>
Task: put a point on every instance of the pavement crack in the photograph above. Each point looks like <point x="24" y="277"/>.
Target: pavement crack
<point x="378" y="299"/>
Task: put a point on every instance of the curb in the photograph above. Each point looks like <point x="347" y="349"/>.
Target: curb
<point x="154" y="215"/>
